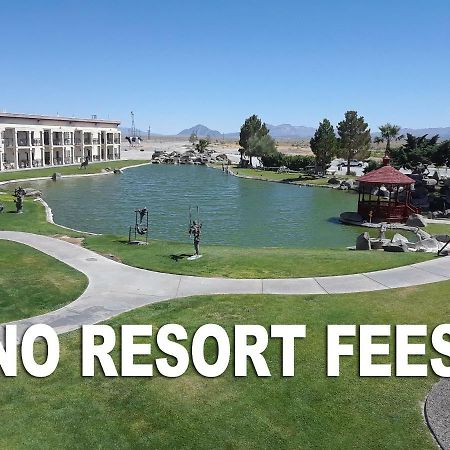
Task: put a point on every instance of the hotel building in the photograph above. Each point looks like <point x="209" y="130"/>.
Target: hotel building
<point x="28" y="140"/>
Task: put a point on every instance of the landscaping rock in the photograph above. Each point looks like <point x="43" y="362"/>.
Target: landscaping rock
<point x="29" y="192"/>
<point x="416" y="220"/>
<point x="363" y="241"/>
<point x="399" y="238"/>
<point x="334" y="181"/>
<point x="442" y="237"/>
<point x="118" y="171"/>
<point x="350" y="184"/>
<point x="350" y="217"/>
<point x="56" y="176"/>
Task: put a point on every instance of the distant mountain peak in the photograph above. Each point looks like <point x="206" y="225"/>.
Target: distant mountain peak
<point x="201" y="131"/>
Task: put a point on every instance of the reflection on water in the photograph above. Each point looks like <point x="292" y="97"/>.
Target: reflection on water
<point x="233" y="210"/>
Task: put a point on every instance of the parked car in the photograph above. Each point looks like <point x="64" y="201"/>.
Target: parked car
<point x="353" y="163"/>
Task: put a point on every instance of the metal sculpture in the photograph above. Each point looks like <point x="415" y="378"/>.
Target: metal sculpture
<point x="140" y="228"/>
<point x="195" y="230"/>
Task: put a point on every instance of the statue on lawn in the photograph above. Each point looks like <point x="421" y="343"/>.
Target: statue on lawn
<point x="19" y="193"/>
<point x="195" y="230"/>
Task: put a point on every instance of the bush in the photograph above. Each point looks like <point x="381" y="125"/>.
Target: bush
<point x="372" y="165"/>
<point x="292" y="162"/>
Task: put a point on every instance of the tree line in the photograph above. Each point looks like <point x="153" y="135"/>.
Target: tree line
<point x="350" y="140"/>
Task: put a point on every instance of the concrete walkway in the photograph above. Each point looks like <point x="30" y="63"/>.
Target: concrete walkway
<point x="115" y="288"/>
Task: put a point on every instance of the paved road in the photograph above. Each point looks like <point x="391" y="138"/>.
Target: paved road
<point x="115" y="288"/>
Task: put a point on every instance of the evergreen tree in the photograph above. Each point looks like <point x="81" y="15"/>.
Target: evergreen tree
<point x="354" y="137"/>
<point x="261" y="147"/>
<point x="251" y="127"/>
<point x="324" y="145"/>
<point x="416" y="152"/>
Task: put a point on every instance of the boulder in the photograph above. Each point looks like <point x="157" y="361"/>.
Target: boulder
<point x="397" y="248"/>
<point x="442" y="237"/>
<point x="399" y="238"/>
<point x="118" y="171"/>
<point x="430" y="245"/>
<point x="349" y="183"/>
<point x="333" y="180"/>
<point x="416" y="220"/>
<point x="29" y="192"/>
<point x="350" y="217"/>
<point x="363" y="241"/>
<point x="56" y="176"/>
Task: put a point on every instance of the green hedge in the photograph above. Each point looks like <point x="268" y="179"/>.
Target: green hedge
<point x="292" y="162"/>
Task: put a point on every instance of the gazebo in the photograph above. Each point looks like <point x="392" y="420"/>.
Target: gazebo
<point x="385" y="194"/>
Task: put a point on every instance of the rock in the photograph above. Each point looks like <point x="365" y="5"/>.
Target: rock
<point x="422" y="234"/>
<point x="118" y="171"/>
<point x="397" y="248"/>
<point x="56" y="176"/>
<point x="363" y="241"/>
<point x="442" y="237"/>
<point x="334" y="180"/>
<point x="350" y="217"/>
<point x="29" y="192"/>
<point x="416" y="220"/>
<point x="350" y="184"/>
<point x="399" y="238"/>
<point x="430" y="245"/>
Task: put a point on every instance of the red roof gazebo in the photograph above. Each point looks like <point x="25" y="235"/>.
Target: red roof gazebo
<point x="390" y="207"/>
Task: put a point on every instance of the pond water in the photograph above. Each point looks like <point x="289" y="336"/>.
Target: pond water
<point x="233" y="210"/>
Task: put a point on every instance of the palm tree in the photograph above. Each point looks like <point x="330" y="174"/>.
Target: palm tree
<point x="389" y="133"/>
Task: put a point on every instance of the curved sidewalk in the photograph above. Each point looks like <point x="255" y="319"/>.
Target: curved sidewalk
<point x="115" y="288"/>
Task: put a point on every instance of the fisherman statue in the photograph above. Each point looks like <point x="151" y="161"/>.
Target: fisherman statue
<point x="19" y="193"/>
<point x="195" y="231"/>
<point x="140" y="227"/>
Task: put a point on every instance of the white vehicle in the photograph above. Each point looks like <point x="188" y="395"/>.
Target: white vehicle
<point x="353" y="163"/>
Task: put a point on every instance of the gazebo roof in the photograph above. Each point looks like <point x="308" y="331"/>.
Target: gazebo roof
<point x="386" y="175"/>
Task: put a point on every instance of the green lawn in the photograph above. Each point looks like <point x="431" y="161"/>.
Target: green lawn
<point x="308" y="411"/>
<point x="32" y="283"/>
<point x="294" y="178"/>
<point x="66" y="170"/>
<point x="238" y="262"/>
<point x="218" y="261"/>
<point x="32" y="219"/>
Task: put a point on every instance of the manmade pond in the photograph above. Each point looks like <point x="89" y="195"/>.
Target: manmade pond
<point x="233" y="210"/>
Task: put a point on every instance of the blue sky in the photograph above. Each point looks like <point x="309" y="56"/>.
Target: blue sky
<point x="179" y="63"/>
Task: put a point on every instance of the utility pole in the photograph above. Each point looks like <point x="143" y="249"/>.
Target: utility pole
<point x="133" y="127"/>
<point x="148" y="133"/>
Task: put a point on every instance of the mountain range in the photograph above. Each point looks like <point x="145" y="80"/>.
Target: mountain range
<point x="287" y="131"/>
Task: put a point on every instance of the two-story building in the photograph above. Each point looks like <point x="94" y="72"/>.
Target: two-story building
<point x="28" y="140"/>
